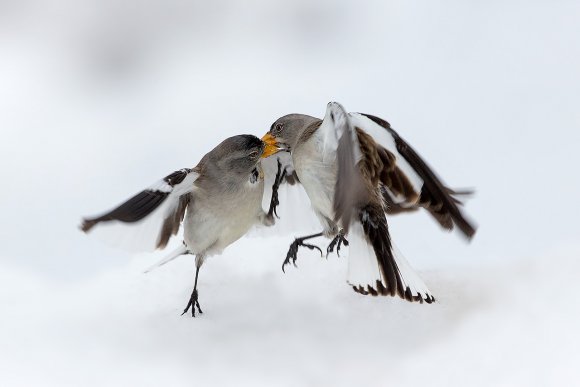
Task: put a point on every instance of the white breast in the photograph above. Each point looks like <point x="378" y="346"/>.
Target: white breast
<point x="317" y="172"/>
<point x="213" y="223"/>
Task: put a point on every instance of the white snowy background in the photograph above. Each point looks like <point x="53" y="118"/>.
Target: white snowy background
<point x="99" y="98"/>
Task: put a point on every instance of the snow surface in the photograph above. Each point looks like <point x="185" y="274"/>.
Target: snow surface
<point x="497" y="325"/>
<point x="99" y="98"/>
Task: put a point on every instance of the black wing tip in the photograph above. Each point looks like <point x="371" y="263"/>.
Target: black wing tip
<point x="467" y="192"/>
<point x="468" y="228"/>
<point x="469" y="235"/>
<point x="88" y="224"/>
<point x="465" y="225"/>
<point x="469" y="232"/>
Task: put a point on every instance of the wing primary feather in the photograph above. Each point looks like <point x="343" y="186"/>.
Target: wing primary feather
<point x="433" y="191"/>
<point x="159" y="209"/>
<point x="133" y="210"/>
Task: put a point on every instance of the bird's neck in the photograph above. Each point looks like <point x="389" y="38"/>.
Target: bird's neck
<point x="310" y="127"/>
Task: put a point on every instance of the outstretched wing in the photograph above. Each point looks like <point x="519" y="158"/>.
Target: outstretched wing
<point x="153" y="215"/>
<point x="374" y="266"/>
<point x="408" y="181"/>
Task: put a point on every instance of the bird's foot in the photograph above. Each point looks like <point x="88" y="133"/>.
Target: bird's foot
<point x="274" y="202"/>
<point x="337" y="242"/>
<point x="293" y="251"/>
<point x="193" y="303"/>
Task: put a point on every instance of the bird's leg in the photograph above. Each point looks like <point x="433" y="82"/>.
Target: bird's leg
<point x="274" y="202"/>
<point x="299" y="242"/>
<point x="337" y="242"/>
<point x="193" y="300"/>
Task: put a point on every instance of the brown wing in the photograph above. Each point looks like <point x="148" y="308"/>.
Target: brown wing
<point x="380" y="166"/>
<point x="392" y="206"/>
<point x="173" y="221"/>
<point x="441" y="201"/>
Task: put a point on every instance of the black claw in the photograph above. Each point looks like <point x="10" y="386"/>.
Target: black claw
<point x="312" y="247"/>
<point x="274" y="202"/>
<point x="193" y="302"/>
<point x="330" y="247"/>
<point x="291" y="255"/>
<point x="337" y="242"/>
<point x="293" y="251"/>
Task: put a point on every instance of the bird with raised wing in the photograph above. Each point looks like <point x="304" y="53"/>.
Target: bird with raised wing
<point x="356" y="170"/>
<point x="218" y="202"/>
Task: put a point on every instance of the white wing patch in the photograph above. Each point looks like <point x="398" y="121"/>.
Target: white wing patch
<point x="410" y="278"/>
<point x="363" y="267"/>
<point x="384" y="138"/>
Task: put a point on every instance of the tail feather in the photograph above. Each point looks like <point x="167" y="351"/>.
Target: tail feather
<point x="181" y="250"/>
<point x="376" y="267"/>
<point x="414" y="287"/>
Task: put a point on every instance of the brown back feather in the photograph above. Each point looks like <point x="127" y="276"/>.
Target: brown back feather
<point x="379" y="165"/>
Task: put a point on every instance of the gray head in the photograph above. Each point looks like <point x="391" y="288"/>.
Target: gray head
<point x="237" y="155"/>
<point x="285" y="132"/>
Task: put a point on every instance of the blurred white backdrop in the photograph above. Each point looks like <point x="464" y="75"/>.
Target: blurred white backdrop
<point x="98" y="98"/>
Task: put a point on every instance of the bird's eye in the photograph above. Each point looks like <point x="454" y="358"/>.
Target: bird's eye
<point x="254" y="154"/>
<point x="278" y="128"/>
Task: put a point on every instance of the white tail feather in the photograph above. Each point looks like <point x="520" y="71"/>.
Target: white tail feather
<point x="410" y="278"/>
<point x="364" y="270"/>
<point x="181" y="250"/>
<point x="363" y="267"/>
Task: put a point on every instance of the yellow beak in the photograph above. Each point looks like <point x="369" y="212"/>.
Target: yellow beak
<point x="271" y="145"/>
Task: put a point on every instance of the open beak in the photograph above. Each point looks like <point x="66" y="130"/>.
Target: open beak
<point x="271" y="145"/>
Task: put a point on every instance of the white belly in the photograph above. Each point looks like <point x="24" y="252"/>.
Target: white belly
<point x="211" y="225"/>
